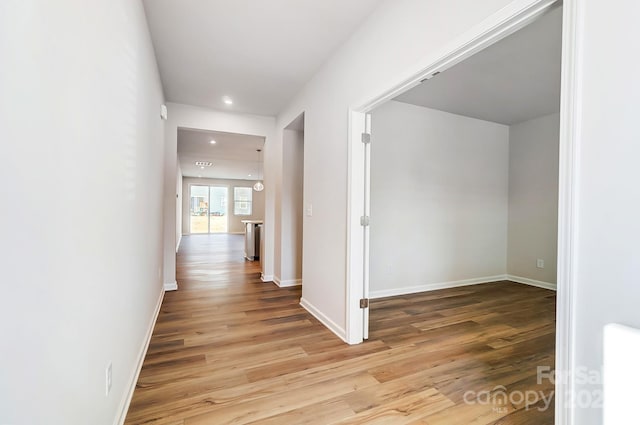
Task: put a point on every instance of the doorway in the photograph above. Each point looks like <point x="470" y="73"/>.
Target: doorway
<point x="208" y="209"/>
<point x="479" y="39"/>
<point x="218" y="175"/>
<point x="289" y="209"/>
<point x="464" y="171"/>
<point x="360" y="122"/>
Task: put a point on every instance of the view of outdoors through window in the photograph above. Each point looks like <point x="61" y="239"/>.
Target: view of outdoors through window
<point x="208" y="209"/>
<point x="242" y="199"/>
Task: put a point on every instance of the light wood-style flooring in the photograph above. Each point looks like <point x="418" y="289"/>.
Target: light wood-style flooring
<point x="230" y="349"/>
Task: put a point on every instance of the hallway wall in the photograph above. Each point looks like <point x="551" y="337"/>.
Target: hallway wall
<point x="179" y="197"/>
<point x="81" y="179"/>
<point x="607" y="200"/>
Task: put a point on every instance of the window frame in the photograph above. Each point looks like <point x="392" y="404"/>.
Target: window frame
<point x="237" y="210"/>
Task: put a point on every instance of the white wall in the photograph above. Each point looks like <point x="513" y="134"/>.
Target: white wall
<point x="291" y="200"/>
<point x="178" y="205"/>
<point x="608" y="198"/>
<point x="391" y="45"/>
<point x="277" y="215"/>
<point x="234" y="222"/>
<point x="81" y="181"/>
<point x="208" y="119"/>
<point x="438" y="199"/>
<point x="533" y="198"/>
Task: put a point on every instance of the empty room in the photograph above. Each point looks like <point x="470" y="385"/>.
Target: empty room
<point x="463" y="222"/>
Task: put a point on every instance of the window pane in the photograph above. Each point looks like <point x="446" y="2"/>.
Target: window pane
<point x="199" y="208"/>
<point x="242" y="199"/>
<point x="218" y="209"/>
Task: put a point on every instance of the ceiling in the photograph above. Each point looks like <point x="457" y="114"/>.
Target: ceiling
<point x="257" y="52"/>
<point x="514" y="80"/>
<point x="233" y="156"/>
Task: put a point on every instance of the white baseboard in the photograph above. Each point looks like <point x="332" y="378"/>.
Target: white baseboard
<point x="178" y="244"/>
<point x="455" y="284"/>
<point x="532" y="282"/>
<point x="328" y="323"/>
<point x="126" y="401"/>
<point x="171" y="286"/>
<point x="287" y="283"/>
<point x="434" y="286"/>
<point x="266" y="278"/>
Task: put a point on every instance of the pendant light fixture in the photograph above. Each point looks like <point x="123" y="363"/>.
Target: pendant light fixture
<point x="258" y="186"/>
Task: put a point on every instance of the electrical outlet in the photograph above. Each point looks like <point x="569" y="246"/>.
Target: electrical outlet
<point x="108" y="379"/>
<point x="540" y="263"/>
<point x="309" y="210"/>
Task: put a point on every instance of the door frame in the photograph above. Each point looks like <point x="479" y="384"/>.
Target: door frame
<point x="506" y="21"/>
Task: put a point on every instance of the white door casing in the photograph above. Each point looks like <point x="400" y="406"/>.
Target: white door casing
<point x="505" y="22"/>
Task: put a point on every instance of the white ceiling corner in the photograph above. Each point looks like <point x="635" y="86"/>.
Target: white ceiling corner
<point x="514" y="80"/>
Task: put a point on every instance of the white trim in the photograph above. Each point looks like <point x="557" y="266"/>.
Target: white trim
<point x="266" y="277"/>
<point x="133" y="380"/>
<point x="405" y="290"/>
<point x="570" y="124"/>
<point x="178" y="244"/>
<point x="504" y="22"/>
<point x="287" y="283"/>
<point x="355" y="232"/>
<point x="366" y="257"/>
<point x="435" y="286"/>
<point x="171" y="286"/>
<point x="330" y="324"/>
<point x="532" y="282"/>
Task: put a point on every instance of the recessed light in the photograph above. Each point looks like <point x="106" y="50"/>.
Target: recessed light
<point x="249" y="175"/>
<point x="213" y="142"/>
<point x="202" y="168"/>
<point x="199" y="176"/>
<point x="204" y="163"/>
<point x="227" y="100"/>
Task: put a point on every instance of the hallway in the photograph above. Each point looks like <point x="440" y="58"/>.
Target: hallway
<point x="228" y="348"/>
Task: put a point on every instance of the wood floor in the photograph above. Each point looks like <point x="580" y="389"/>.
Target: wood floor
<point x="229" y="349"/>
